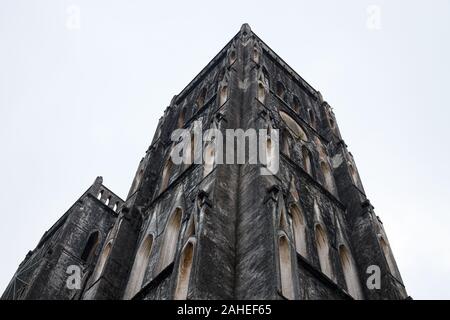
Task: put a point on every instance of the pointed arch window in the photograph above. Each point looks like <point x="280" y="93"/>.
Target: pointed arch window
<point x="328" y="178"/>
<point x="284" y="255"/>
<point x="350" y="273"/>
<point x="255" y="54"/>
<point x="323" y="251"/>
<point x="184" y="271"/>
<point x="139" y="268"/>
<point x="223" y="94"/>
<point x="170" y="239"/>
<point x="261" y="92"/>
<point x="166" y="174"/>
<point x="209" y="158"/>
<point x="299" y="226"/>
<point x="201" y="98"/>
<point x="331" y="121"/>
<point x="281" y="90"/>
<point x="307" y="165"/>
<point x="389" y="257"/>
<point x="102" y="261"/>
<point x="296" y="104"/>
<point x="232" y="56"/>
<point x="286" y="139"/>
<point x="181" y="118"/>
<point x="90" y="247"/>
<point x="312" y="117"/>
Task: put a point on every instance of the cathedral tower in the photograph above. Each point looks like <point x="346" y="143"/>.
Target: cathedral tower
<point x="214" y="229"/>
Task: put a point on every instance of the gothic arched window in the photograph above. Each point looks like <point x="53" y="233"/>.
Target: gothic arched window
<point x="209" y="158"/>
<point x="328" y="177"/>
<point x="166" y="174"/>
<point x="296" y="104"/>
<point x="307" y="165"/>
<point x="350" y="273"/>
<point x="281" y="90"/>
<point x="388" y="254"/>
<point x="201" y="98"/>
<point x="299" y="226"/>
<point x="312" y="117"/>
<point x="184" y="271"/>
<point x="323" y="251"/>
<point x="170" y="239"/>
<point x="139" y="268"/>
<point x="223" y="94"/>
<point x="284" y="255"/>
<point x="286" y="139"/>
<point x="90" y="247"/>
<point x="102" y="261"/>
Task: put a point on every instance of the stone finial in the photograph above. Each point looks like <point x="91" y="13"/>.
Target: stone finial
<point x="245" y="29"/>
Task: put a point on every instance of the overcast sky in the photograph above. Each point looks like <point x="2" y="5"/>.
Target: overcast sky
<point x="81" y="98"/>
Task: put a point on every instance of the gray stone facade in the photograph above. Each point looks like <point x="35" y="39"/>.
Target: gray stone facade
<point x="306" y="232"/>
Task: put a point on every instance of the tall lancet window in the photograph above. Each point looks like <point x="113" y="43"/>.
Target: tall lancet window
<point x="139" y="268"/>
<point x="286" y="139"/>
<point x="261" y="92"/>
<point x="102" y="260"/>
<point x="323" y="251"/>
<point x="90" y="247"/>
<point x="307" y="165"/>
<point x="170" y="239"/>
<point x="328" y="177"/>
<point x="299" y="226"/>
<point x="284" y="253"/>
<point x="389" y="258"/>
<point x="209" y="158"/>
<point x="350" y="273"/>
<point x="166" y="174"/>
<point x="296" y="104"/>
<point x="184" y="271"/>
<point x="201" y="98"/>
<point x="281" y="90"/>
<point x="223" y="94"/>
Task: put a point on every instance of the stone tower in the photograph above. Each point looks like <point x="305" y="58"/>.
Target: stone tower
<point x="207" y="230"/>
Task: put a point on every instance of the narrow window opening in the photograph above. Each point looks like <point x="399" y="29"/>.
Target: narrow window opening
<point x="182" y="117"/>
<point x="296" y="104"/>
<point x="223" y="95"/>
<point x="102" y="261"/>
<point x="312" y="117"/>
<point x="280" y="90"/>
<point x="307" y="160"/>
<point x="323" y="251"/>
<point x="209" y="159"/>
<point x="184" y="272"/>
<point x="287" y="284"/>
<point x="232" y="56"/>
<point x="350" y="273"/>
<point x="90" y="247"/>
<point x="139" y="268"/>
<point x="166" y="174"/>
<point x="171" y="234"/>
<point x="329" y="181"/>
<point x="201" y="98"/>
<point x="299" y="227"/>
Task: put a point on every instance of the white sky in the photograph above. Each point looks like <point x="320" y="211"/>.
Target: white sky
<point x="78" y="103"/>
